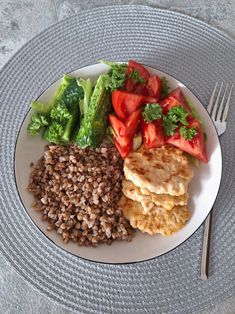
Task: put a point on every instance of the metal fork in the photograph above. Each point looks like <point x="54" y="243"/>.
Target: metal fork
<point x="218" y="110"/>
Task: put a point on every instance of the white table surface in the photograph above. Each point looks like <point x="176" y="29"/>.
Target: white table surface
<point x="21" y="20"/>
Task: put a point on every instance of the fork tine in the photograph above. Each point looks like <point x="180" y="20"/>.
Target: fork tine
<point x="209" y="107"/>
<point x="221" y="106"/>
<point x="225" y="114"/>
<point x="216" y="103"/>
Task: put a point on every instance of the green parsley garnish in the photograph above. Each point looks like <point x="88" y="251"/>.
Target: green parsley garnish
<point x="117" y="75"/>
<point x="169" y="126"/>
<point x="172" y="118"/>
<point x="188" y="133"/>
<point x="178" y="114"/>
<point x="165" y="87"/>
<point x="152" y="112"/>
<point x="137" y="79"/>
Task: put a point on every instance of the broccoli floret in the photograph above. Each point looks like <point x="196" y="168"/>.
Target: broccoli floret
<point x="60" y="113"/>
<point x="53" y="132"/>
<point x="38" y="122"/>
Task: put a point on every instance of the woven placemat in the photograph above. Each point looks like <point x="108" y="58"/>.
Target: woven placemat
<point x="197" y="55"/>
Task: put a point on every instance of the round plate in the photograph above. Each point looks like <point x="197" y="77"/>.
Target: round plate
<point x="203" y="188"/>
<point x="196" y="54"/>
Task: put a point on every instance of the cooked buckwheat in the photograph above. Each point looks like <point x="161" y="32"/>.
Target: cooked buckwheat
<point x="77" y="191"/>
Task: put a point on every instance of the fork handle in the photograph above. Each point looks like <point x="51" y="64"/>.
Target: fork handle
<point x="206" y="247"/>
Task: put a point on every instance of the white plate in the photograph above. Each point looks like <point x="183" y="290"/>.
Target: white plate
<point x="203" y="188"/>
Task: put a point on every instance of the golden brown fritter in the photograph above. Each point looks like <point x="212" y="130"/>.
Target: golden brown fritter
<point x="157" y="220"/>
<point x="163" y="170"/>
<point x="148" y="199"/>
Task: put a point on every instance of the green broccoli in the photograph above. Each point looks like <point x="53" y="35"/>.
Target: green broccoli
<point x="38" y="122"/>
<point x="71" y="124"/>
<point x="60" y="113"/>
<point x="53" y="132"/>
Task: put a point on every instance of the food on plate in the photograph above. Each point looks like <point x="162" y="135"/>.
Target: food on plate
<point x="157" y="220"/>
<point x="126" y="123"/>
<point x="77" y="191"/>
<point x="141" y="102"/>
<point x="162" y="170"/>
<point x="165" y="117"/>
<point x="94" y="124"/>
<point x="59" y="117"/>
<point x="155" y="189"/>
<point x="149" y="199"/>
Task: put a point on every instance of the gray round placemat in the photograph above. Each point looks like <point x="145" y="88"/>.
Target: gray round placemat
<point x="197" y="55"/>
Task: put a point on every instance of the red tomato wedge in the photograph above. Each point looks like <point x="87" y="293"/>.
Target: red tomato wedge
<point x="124" y="150"/>
<point x="195" y="147"/>
<point x="125" y="103"/>
<point x="135" y="66"/>
<point x="119" y="105"/>
<point x="174" y="98"/>
<point x="154" y="87"/>
<point x="131" y="84"/>
<point x="152" y="134"/>
<point x="125" y="131"/>
<point x="122" y="140"/>
<point x="117" y="125"/>
<point x="132" y="123"/>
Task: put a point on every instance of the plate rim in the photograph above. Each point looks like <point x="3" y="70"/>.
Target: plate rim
<point x="104" y="262"/>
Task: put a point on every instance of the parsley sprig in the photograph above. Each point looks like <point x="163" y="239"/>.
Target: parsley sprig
<point x="176" y="118"/>
<point x="152" y="112"/>
<point x="117" y="76"/>
<point x="135" y="76"/>
<point x="188" y="133"/>
<point x="169" y="126"/>
<point x="178" y="114"/>
<point x="165" y="87"/>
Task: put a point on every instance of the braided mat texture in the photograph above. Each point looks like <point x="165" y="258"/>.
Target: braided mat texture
<point x="197" y="55"/>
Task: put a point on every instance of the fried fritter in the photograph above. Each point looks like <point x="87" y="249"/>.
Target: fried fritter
<point x="158" y="220"/>
<point x="148" y="199"/>
<point x="163" y="170"/>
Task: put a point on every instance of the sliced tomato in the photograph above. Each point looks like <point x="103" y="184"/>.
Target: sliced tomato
<point x="178" y="94"/>
<point x="119" y="105"/>
<point x="174" y="98"/>
<point x="152" y="134"/>
<point x="120" y="130"/>
<point x="125" y="103"/>
<point x="117" y="125"/>
<point x="124" y="132"/>
<point x="150" y="99"/>
<point x="140" y="89"/>
<point x="131" y="84"/>
<point x="132" y="123"/>
<point x="195" y="147"/>
<point x="124" y="149"/>
<point x="154" y="87"/>
<point x="133" y="65"/>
